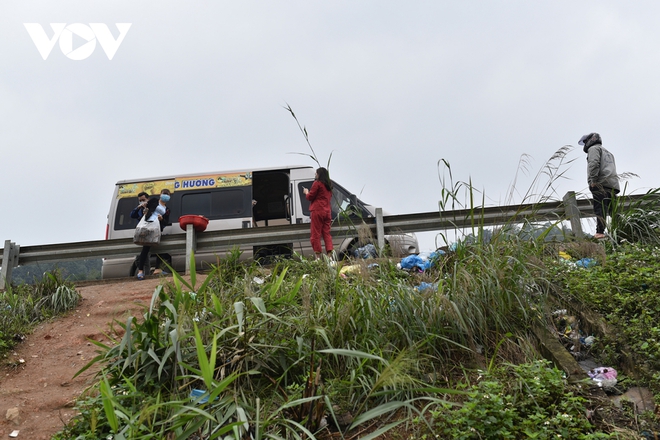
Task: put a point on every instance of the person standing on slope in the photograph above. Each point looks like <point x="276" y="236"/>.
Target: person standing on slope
<point x="602" y="178"/>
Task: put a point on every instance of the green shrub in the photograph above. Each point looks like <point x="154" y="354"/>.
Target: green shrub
<point x="530" y="400"/>
<point x="625" y="290"/>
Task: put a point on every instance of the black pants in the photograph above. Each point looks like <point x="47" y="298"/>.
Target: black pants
<point x="143" y="260"/>
<point x="602" y="202"/>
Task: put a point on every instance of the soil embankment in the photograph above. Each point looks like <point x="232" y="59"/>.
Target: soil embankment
<point x="37" y="376"/>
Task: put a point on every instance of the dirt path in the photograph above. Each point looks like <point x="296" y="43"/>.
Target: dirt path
<point x="42" y="386"/>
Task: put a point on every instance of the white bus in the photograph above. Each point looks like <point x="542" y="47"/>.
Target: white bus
<point x="226" y="199"/>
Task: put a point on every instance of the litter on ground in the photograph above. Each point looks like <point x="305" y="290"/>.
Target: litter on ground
<point x="424" y="286"/>
<point x="603" y="376"/>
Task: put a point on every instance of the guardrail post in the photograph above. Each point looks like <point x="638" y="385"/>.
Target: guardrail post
<point x="191" y="245"/>
<point x="380" y="230"/>
<point x="9" y="261"/>
<point x="572" y="213"/>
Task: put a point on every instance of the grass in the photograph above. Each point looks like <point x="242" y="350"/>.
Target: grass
<point x="624" y="290"/>
<point x="297" y="351"/>
<point x="23" y="306"/>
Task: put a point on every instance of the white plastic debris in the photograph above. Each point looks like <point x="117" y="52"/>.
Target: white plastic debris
<point x="603" y="376"/>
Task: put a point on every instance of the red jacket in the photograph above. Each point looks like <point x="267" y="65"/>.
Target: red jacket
<point x="319" y="197"/>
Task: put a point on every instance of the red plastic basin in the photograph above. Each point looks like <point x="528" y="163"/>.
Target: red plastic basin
<point x="199" y="222"/>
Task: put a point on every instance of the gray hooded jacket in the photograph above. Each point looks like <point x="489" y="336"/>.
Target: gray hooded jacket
<point x="601" y="168"/>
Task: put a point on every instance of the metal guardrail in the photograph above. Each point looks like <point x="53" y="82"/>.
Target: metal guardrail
<point x="569" y="209"/>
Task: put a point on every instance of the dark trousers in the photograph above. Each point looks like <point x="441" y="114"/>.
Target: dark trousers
<point x="602" y="202"/>
<point x="143" y="260"/>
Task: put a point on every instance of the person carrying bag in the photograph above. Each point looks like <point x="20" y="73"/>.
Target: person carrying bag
<point x="147" y="233"/>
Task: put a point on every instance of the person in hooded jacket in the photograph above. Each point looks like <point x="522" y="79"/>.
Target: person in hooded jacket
<point x="602" y="178"/>
<point x="320" y="196"/>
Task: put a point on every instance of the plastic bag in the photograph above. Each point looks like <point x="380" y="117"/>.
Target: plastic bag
<point x="586" y="262"/>
<point x="603" y="376"/>
<point x="424" y="286"/>
<point x="147" y="233"/>
<point x="366" y="251"/>
<point x="415" y="261"/>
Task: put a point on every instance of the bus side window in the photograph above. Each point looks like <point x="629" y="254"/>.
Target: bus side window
<point x="218" y="203"/>
<point x="196" y="203"/>
<point x="304" y="203"/>
<point x="123" y="218"/>
<point x="231" y="203"/>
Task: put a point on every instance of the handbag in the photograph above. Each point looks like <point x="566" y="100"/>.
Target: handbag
<point x="147" y="233"/>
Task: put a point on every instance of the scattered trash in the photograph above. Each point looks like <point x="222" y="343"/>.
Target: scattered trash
<point x="570" y="335"/>
<point x="568" y="263"/>
<point x="604" y="376"/>
<point x="349" y="269"/>
<point x="196" y="394"/>
<point x="415" y="262"/>
<point x="586" y="262"/>
<point x="14" y="433"/>
<point x="373" y="266"/>
<point x="588" y="341"/>
<point x="420" y="262"/>
<point x="565" y="255"/>
<point x="565" y="324"/>
<point x="366" y="251"/>
<point x="423" y="286"/>
<point x="437" y="253"/>
<point x="258" y="281"/>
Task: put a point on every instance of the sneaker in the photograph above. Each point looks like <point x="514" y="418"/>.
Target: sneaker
<point x="140" y="276"/>
<point x="599" y="236"/>
<point x="158" y="272"/>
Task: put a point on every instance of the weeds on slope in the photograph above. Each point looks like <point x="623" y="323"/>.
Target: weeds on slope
<point x="22" y="306"/>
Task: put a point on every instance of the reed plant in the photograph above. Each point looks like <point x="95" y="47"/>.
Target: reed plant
<point x="636" y="222"/>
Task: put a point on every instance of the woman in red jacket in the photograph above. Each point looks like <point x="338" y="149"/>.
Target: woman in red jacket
<point x="320" y="212"/>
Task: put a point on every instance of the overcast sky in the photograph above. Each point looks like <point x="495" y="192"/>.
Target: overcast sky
<point x="389" y="88"/>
